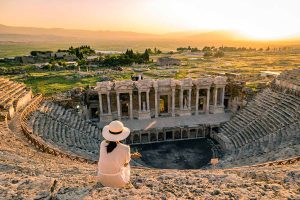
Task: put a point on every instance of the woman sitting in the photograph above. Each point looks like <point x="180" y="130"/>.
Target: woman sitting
<point x="113" y="165"/>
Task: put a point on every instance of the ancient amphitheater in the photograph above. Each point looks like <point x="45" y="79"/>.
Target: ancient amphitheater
<point x="50" y="152"/>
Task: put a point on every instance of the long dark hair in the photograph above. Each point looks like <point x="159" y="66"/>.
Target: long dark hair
<point x="111" y="146"/>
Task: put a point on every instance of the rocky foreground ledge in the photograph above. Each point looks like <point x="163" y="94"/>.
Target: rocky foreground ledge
<point x="78" y="182"/>
<point x="26" y="173"/>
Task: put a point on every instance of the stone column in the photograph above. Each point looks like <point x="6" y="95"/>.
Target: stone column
<point x="100" y="104"/>
<point x="197" y="101"/>
<point x="118" y="106"/>
<point x="156" y="113"/>
<point x="140" y="102"/>
<point x="215" y="96"/>
<point x="108" y="104"/>
<point x="173" y="102"/>
<point x="223" y="96"/>
<point x="190" y="98"/>
<point x="130" y="106"/>
<point x="148" y="101"/>
<point x="140" y="134"/>
<point x="207" y="100"/>
<point x="181" y="99"/>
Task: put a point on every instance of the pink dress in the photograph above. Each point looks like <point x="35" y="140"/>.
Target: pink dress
<point x="111" y="170"/>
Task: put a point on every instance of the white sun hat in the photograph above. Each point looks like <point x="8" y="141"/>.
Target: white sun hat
<point x="115" y="131"/>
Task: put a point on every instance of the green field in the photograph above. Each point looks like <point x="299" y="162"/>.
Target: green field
<point x="245" y="65"/>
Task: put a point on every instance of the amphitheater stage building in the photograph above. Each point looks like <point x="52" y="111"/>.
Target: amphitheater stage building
<point x="146" y="99"/>
<point x="159" y="110"/>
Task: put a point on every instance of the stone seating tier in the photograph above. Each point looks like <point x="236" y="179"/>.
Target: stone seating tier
<point x="13" y="96"/>
<point x="271" y="119"/>
<point x="67" y="130"/>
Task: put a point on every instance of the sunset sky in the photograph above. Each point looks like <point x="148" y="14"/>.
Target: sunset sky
<point x="259" y="19"/>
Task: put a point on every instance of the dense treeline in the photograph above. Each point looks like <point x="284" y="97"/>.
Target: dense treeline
<point x="127" y="58"/>
<point x="81" y="52"/>
<point x="227" y="49"/>
<point x="35" y="53"/>
<point x="189" y="48"/>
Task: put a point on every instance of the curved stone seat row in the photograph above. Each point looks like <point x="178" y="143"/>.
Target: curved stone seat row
<point x="286" y="136"/>
<point x="271" y="112"/>
<point x="13" y="96"/>
<point x="69" y="117"/>
<point x="60" y="127"/>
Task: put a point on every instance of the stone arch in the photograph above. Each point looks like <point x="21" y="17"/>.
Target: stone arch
<point x="161" y="136"/>
<point x="153" y="137"/>
<point x="185" y="134"/>
<point x="145" y="137"/>
<point x="136" y="138"/>
<point x="177" y="135"/>
<point x="169" y="135"/>
<point x="200" y="133"/>
<point x="193" y="132"/>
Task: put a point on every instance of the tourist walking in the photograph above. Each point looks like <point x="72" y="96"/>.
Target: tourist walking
<point x="113" y="165"/>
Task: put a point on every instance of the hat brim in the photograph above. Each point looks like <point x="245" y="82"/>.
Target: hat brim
<point x="113" y="137"/>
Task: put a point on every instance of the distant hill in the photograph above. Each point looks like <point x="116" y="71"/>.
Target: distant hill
<point x="60" y="33"/>
<point x="73" y="34"/>
<point x="20" y="40"/>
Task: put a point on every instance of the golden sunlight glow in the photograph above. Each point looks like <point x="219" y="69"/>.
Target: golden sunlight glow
<point x="257" y="19"/>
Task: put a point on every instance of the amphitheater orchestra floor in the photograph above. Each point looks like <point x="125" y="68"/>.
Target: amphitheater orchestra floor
<point x="162" y="122"/>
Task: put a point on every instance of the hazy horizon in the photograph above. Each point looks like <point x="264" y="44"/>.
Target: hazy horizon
<point x="233" y="35"/>
<point x="255" y="19"/>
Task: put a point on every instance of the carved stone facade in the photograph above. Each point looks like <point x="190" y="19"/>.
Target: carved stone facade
<point x="145" y="99"/>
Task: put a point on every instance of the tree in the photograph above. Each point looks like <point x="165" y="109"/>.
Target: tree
<point x="146" y="56"/>
<point x="206" y="49"/>
<point x="149" y="51"/>
<point x="81" y="62"/>
<point x="219" y="54"/>
<point x="194" y="49"/>
<point x="207" y="54"/>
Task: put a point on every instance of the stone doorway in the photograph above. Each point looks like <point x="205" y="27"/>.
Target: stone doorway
<point x="94" y="113"/>
<point x="164" y="104"/>
<point x="124" y="101"/>
<point x="201" y="104"/>
<point x="226" y="103"/>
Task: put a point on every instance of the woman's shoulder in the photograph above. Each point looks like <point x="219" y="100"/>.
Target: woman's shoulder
<point x="124" y="146"/>
<point x="103" y="142"/>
